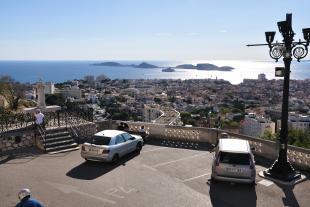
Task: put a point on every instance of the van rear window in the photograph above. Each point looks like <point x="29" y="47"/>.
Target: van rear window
<point x="99" y="140"/>
<point x="234" y="158"/>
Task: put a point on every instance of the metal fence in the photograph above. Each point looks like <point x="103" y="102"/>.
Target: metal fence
<point x="14" y="121"/>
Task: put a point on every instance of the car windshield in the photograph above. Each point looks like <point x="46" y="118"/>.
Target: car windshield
<point x="99" y="140"/>
<point x="235" y="158"/>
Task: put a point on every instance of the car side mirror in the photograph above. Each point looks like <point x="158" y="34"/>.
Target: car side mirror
<point x="132" y="138"/>
<point x="252" y="148"/>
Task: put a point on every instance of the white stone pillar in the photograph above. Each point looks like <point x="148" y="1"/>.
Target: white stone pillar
<point x="41" y="94"/>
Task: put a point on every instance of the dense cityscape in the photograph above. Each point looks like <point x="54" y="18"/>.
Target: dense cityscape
<point x="252" y="107"/>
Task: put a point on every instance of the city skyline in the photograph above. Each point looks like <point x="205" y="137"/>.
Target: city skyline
<point x="139" y="30"/>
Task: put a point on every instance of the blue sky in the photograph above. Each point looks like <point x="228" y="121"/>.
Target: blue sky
<point x="142" y="29"/>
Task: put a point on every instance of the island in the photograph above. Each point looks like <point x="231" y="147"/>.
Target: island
<point x="186" y="66"/>
<point x="168" y="69"/>
<point x="111" y="64"/>
<point x="205" y="66"/>
<point x="116" y="64"/>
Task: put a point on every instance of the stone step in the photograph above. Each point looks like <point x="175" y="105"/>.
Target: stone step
<point x="59" y="143"/>
<point x="64" y="150"/>
<point x="61" y="147"/>
<point x="52" y="139"/>
<point x="58" y="134"/>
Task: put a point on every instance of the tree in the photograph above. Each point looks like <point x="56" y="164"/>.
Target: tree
<point x="157" y="100"/>
<point x="239" y="105"/>
<point x="55" y="99"/>
<point x="12" y="91"/>
<point x="299" y="138"/>
<point x="268" y="135"/>
<point x="187" y="119"/>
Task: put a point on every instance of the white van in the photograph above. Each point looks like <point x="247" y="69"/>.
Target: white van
<point x="233" y="162"/>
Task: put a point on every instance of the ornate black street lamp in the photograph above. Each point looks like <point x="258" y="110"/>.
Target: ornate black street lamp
<point x="281" y="168"/>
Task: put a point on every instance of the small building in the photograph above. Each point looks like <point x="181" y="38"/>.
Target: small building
<point x="256" y="126"/>
<point x="49" y="88"/>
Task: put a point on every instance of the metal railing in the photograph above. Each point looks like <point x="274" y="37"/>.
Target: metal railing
<point x="42" y="134"/>
<point x="10" y="121"/>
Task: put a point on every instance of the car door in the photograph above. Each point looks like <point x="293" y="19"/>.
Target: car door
<point x="120" y="145"/>
<point x="130" y="142"/>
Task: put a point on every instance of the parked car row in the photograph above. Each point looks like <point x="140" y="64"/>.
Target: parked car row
<point x="233" y="158"/>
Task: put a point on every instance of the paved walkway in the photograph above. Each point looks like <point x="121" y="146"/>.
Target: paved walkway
<point x="164" y="174"/>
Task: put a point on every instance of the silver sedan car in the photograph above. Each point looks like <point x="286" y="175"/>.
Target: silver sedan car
<point x="110" y="145"/>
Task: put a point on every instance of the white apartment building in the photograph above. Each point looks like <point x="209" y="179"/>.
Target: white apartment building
<point x="151" y="112"/>
<point x="74" y="92"/>
<point x="297" y="121"/>
<point x="49" y="88"/>
<point x="256" y="126"/>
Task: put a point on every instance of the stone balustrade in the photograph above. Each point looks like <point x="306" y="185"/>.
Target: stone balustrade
<point x="299" y="157"/>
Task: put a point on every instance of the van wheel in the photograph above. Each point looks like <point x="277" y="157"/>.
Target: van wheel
<point x="252" y="184"/>
<point x="139" y="147"/>
<point x="213" y="180"/>
<point x="115" y="159"/>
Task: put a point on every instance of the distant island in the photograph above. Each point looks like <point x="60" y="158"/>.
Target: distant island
<point x="199" y="66"/>
<point x="168" y="70"/>
<point x="116" y="64"/>
<point x="205" y="66"/>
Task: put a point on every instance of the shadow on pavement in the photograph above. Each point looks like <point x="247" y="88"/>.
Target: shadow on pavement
<point x="289" y="199"/>
<point x="202" y="146"/>
<point x="237" y="195"/>
<point x="20" y="155"/>
<point x="90" y="170"/>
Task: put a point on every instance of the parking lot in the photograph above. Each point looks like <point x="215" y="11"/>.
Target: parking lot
<point x="166" y="173"/>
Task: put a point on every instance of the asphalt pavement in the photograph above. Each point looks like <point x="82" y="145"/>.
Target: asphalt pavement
<point x="165" y="173"/>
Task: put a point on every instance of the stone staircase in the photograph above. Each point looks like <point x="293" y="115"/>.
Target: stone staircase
<point x="59" y="140"/>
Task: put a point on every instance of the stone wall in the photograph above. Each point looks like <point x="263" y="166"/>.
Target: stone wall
<point x="16" y="140"/>
<point x="299" y="157"/>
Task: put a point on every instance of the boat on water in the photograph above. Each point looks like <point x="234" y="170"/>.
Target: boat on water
<point x="168" y="69"/>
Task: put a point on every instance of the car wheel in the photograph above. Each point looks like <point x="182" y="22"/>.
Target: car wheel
<point x="115" y="159"/>
<point x="139" y="147"/>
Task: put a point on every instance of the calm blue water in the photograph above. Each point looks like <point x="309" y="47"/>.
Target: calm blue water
<point x="60" y="71"/>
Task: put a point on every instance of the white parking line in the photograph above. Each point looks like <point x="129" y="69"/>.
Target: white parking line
<point x="266" y="183"/>
<point x="193" y="178"/>
<point x="173" y="161"/>
<point x="155" y="149"/>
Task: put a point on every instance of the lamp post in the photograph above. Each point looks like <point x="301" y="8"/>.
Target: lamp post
<point x="282" y="169"/>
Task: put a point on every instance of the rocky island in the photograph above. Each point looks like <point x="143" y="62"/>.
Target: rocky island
<point x="116" y="64"/>
<point x="205" y="66"/>
<point x="168" y="70"/>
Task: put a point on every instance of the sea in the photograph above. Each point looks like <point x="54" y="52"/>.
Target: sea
<point x="61" y="71"/>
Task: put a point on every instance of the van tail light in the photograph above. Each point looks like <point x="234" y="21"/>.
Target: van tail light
<point x="105" y="151"/>
<point x="83" y="148"/>
<point x="251" y="164"/>
<point x="217" y="163"/>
